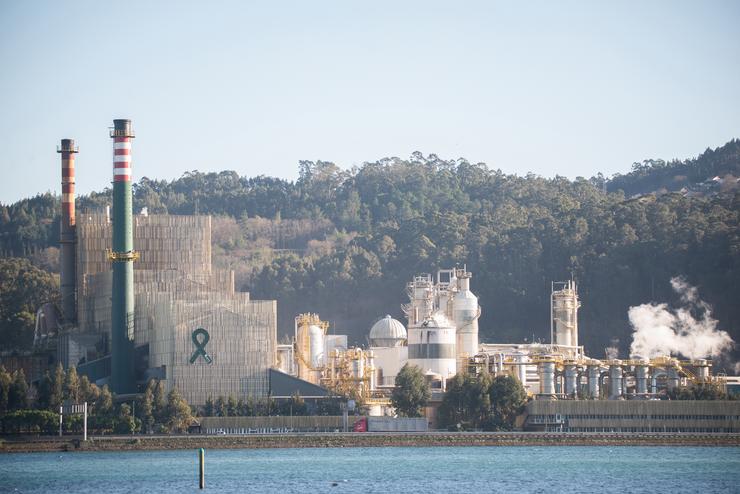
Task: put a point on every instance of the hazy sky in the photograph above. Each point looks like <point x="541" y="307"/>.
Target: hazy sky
<point x="553" y="87"/>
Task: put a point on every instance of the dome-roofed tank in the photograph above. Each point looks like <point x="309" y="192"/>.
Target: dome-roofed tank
<point x="387" y="332"/>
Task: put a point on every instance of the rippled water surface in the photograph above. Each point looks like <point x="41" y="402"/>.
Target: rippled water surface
<point x="472" y="470"/>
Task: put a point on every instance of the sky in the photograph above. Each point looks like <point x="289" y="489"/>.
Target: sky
<point x="568" y="88"/>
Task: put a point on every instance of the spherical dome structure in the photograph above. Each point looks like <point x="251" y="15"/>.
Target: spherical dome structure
<point x="387" y="332"/>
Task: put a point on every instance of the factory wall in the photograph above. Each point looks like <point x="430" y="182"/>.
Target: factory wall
<point x="388" y="361"/>
<point x="634" y="416"/>
<point x="176" y="292"/>
<point x="239" y="350"/>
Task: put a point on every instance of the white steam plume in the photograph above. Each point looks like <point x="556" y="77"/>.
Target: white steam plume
<point x="660" y="330"/>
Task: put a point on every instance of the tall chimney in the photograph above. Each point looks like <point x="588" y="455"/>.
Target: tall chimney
<point x="68" y="236"/>
<point x="122" y="257"/>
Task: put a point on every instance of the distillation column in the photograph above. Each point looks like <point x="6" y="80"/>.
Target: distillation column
<point x="122" y="257"/>
<point x="68" y="234"/>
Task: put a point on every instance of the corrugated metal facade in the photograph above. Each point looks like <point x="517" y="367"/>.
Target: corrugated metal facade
<point x="633" y="416"/>
<point x="177" y="291"/>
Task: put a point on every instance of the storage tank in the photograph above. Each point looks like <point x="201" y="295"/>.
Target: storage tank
<point x="571" y="379"/>
<point x="466" y="311"/>
<point x="593" y="375"/>
<point x="641" y="377"/>
<point x="432" y="346"/>
<point x="546" y="370"/>
<point x="702" y="369"/>
<point x="309" y="346"/>
<point x="565" y="306"/>
<point x="388" y="332"/>
<point x="316" y="337"/>
<point x="615" y="380"/>
<point x="521" y="369"/>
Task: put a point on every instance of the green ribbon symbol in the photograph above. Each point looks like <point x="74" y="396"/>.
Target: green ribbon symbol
<point x="200" y="346"/>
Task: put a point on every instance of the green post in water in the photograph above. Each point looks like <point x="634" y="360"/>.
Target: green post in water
<point x="202" y="461"/>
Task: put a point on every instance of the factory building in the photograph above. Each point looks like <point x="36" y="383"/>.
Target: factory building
<point x="141" y="299"/>
<point x="145" y="302"/>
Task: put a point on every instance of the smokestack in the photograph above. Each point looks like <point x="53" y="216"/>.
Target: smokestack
<point x="68" y="235"/>
<point x="122" y="256"/>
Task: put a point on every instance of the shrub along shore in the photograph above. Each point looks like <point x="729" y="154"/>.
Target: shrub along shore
<point x="349" y="440"/>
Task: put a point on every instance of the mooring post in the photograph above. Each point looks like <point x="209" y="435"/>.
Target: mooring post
<point x="202" y="461"/>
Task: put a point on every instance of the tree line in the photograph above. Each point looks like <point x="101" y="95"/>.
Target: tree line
<point x="471" y="401"/>
<point x="35" y="409"/>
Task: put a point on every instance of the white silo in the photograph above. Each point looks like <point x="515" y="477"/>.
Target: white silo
<point x="316" y="338"/>
<point x="387" y="332"/>
<point x="431" y="346"/>
<point x="564" y="314"/>
<point x="466" y="311"/>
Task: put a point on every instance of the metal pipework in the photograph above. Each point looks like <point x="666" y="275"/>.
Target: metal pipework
<point x="122" y="257"/>
<point x="68" y="233"/>
<point x="673" y="378"/>
<point x="615" y="380"/>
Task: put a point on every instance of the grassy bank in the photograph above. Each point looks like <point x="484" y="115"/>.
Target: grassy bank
<point x="338" y="440"/>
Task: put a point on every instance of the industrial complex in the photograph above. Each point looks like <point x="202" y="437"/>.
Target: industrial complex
<point x="140" y="299"/>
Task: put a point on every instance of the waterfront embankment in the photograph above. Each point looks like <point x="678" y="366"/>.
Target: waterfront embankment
<point x="361" y="440"/>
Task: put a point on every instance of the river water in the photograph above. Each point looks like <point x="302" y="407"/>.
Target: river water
<point x="439" y="470"/>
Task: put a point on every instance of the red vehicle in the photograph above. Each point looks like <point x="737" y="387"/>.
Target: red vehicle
<point x="360" y="425"/>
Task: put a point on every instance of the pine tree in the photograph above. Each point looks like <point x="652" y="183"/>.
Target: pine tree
<point x="146" y="407"/>
<point x="178" y="412"/>
<point x="411" y="393"/>
<point x="221" y="410"/>
<point x="18" y="391"/>
<point x="232" y="407"/>
<point x="209" y="407"/>
<point x="72" y="386"/>
<point x="56" y="398"/>
<point x="5" y="380"/>
<point x="159" y="403"/>
<point x="89" y="392"/>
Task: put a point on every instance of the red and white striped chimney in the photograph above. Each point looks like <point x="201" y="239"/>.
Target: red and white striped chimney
<point x="68" y="235"/>
<point x="122" y="159"/>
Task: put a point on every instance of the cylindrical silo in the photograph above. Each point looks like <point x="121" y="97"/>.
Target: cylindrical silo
<point x="546" y="371"/>
<point x="615" y="380"/>
<point x="702" y="370"/>
<point x="466" y="311"/>
<point x="521" y="369"/>
<point x="593" y="375"/>
<point x="431" y="346"/>
<point x="565" y="306"/>
<point x="316" y="348"/>
<point x="641" y="378"/>
<point x="571" y="380"/>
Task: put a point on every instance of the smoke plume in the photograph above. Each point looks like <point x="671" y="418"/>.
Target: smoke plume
<point x="689" y="330"/>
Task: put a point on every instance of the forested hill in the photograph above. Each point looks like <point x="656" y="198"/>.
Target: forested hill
<point x="714" y="170"/>
<point x="344" y="243"/>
